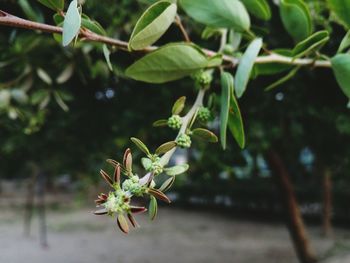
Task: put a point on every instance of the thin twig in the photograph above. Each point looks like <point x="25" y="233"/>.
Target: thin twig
<point x="182" y="28"/>
<point x="13" y="21"/>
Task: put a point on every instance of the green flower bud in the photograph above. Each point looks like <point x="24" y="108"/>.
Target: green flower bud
<point x="204" y="114"/>
<point x="156" y="168"/>
<point x="133" y="186"/>
<point x="203" y="79"/>
<point x="184" y="141"/>
<point x="117" y="202"/>
<point x="175" y="122"/>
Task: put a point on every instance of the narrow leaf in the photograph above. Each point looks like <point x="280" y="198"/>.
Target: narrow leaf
<point x="205" y="135"/>
<point x="246" y="65"/>
<point x="167" y="184"/>
<point x="106" y="177"/>
<point x="258" y="8"/>
<point x="235" y="122"/>
<point x="159" y="195"/>
<point x="71" y="24"/>
<point x="123" y="224"/>
<point x="176" y="170"/>
<point x="153" y="207"/>
<point x="226" y="84"/>
<point x="160" y="123"/>
<point x="179" y="105"/>
<point x="311" y="44"/>
<point x="140" y="145"/>
<point x="166" y="147"/>
<point x="279" y="82"/>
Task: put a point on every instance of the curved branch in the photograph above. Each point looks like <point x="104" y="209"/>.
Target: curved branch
<point x="14" y="21"/>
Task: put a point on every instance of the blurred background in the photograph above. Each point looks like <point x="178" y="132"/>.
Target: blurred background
<point x="63" y="113"/>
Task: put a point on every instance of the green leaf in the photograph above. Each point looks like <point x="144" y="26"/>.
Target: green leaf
<point x="345" y="43"/>
<point x="342" y="10"/>
<point x="92" y="25"/>
<point x="311" y="44"/>
<point x="140" y="145"/>
<point x="179" y="105"/>
<point x="171" y="62"/>
<point x="341" y="69"/>
<point x="32" y="14"/>
<point x="153" y="207"/>
<point x="296" y="18"/>
<point x="160" y="123"/>
<point x="42" y="74"/>
<point x="5" y="98"/>
<point x="219" y="14"/>
<point x="258" y="8"/>
<point x="205" y="135"/>
<point x="215" y="61"/>
<point x="107" y="55"/>
<point x="53" y="4"/>
<point x="246" y="65"/>
<point x="176" y="170"/>
<point x="165" y="147"/>
<point x="71" y="24"/>
<point x="235" y="122"/>
<point x="287" y="77"/>
<point x="226" y="86"/>
<point x="66" y="74"/>
<point x="152" y="25"/>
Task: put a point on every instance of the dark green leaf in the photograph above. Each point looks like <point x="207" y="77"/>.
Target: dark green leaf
<point x="220" y="14"/>
<point x="152" y="25"/>
<point x="245" y="66"/>
<point x="205" y="135"/>
<point x="311" y="44"/>
<point x="171" y="62"/>
<point x="53" y="4"/>
<point x="92" y="25"/>
<point x="341" y="69"/>
<point x="153" y="207"/>
<point x="259" y="8"/>
<point x="160" y="123"/>
<point x="296" y="18"/>
<point x="279" y="82"/>
<point x="226" y="87"/>
<point x="342" y="10"/>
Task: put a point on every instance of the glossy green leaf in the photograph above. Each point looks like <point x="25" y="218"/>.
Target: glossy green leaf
<point x="235" y="122"/>
<point x="258" y="8"/>
<point x="311" y="44"/>
<point x="53" y="4"/>
<point x="342" y="10"/>
<point x="205" y="135"/>
<point x="71" y="24"/>
<point x="140" y="145"/>
<point x="341" y="69"/>
<point x="345" y="43"/>
<point x="226" y="86"/>
<point x="176" y="170"/>
<point x="152" y="25"/>
<point x="171" y="62"/>
<point x="165" y="147"/>
<point x="245" y="66"/>
<point x="296" y="18"/>
<point x="179" y="105"/>
<point x="218" y="13"/>
<point x="153" y="207"/>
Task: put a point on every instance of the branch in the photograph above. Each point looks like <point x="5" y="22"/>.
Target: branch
<point x="14" y="21"/>
<point x="182" y="28"/>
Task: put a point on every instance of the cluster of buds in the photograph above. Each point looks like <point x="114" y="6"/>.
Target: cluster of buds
<point x="118" y="202"/>
<point x="175" y="122"/>
<point x="184" y="141"/>
<point x="204" y="114"/>
<point x="203" y="79"/>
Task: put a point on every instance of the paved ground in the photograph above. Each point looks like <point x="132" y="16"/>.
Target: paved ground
<point x="176" y="236"/>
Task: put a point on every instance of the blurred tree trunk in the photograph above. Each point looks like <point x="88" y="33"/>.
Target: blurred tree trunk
<point x="295" y="221"/>
<point x="327" y="203"/>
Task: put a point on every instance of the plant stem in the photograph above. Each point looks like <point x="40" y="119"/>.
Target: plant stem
<point x="13" y="21"/>
<point x="182" y="28"/>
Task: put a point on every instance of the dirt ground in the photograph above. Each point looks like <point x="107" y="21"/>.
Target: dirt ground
<point x="77" y="236"/>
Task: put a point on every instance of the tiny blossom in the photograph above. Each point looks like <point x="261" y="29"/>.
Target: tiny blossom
<point x="204" y="114"/>
<point x="133" y="186"/>
<point x="117" y="202"/>
<point x="184" y="141"/>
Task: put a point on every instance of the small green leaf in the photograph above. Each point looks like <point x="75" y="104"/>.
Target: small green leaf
<point x="160" y="123"/>
<point x="345" y="43"/>
<point x="176" y="170"/>
<point x="205" y="135"/>
<point x="107" y="55"/>
<point x="153" y="207"/>
<point x="311" y="44"/>
<point x="281" y="81"/>
<point x="235" y="122"/>
<point x="179" y="105"/>
<point x="165" y="147"/>
<point x="259" y="8"/>
<point x="53" y="4"/>
<point x="226" y="86"/>
<point x="245" y="66"/>
<point x="219" y="14"/>
<point x="167" y="184"/>
<point x="42" y="74"/>
<point x="296" y="18"/>
<point x="66" y="74"/>
<point x="342" y="10"/>
<point x="92" y="25"/>
<point x="71" y="24"/>
<point x="341" y="69"/>
<point x="140" y="145"/>
<point x="168" y="63"/>
<point x="152" y="25"/>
